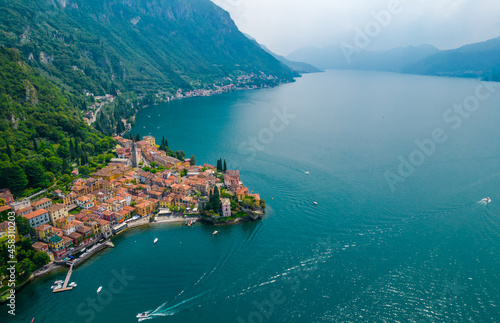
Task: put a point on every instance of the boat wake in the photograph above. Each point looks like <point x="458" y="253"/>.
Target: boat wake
<point x="168" y="311"/>
<point x="485" y="201"/>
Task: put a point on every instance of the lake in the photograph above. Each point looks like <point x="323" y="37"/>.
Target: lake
<point x="398" y="166"/>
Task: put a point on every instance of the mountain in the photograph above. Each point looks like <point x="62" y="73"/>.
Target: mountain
<point x="39" y="127"/>
<point x="144" y="46"/>
<point x="393" y="60"/>
<point x="299" y="67"/>
<point x="479" y="60"/>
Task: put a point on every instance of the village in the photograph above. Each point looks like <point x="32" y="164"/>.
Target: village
<point x="123" y="195"/>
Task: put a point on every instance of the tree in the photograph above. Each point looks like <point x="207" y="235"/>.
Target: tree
<point x="225" y="166"/>
<point x="13" y="177"/>
<point x="65" y="166"/>
<point x="24" y="269"/>
<point x="180" y="155"/>
<point x="23" y="226"/>
<point x="35" y="145"/>
<point x="40" y="259"/>
<point x="9" y="151"/>
<point x="192" y="161"/>
<point x="137" y="137"/>
<point x="35" y="174"/>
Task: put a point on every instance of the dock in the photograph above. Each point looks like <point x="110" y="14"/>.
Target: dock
<point x="66" y="281"/>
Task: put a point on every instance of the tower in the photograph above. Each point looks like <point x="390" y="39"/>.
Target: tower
<point x="135" y="155"/>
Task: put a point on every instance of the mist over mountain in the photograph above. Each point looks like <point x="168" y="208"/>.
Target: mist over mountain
<point x="479" y="60"/>
<point x="393" y="60"/>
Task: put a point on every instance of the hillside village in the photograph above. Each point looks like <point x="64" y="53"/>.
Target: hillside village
<point x="142" y="182"/>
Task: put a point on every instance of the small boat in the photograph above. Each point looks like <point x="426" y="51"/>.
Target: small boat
<point x="142" y="315"/>
<point x="307" y="173"/>
<point x="156" y="240"/>
<point x="73" y="284"/>
<point x="57" y="282"/>
<point x="215" y="232"/>
<point x="99" y="289"/>
<point x="315" y="203"/>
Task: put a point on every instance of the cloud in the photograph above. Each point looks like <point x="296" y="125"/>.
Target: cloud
<point x="285" y="25"/>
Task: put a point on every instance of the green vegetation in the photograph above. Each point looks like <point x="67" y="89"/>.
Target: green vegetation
<point x="41" y="132"/>
<point x="145" y="50"/>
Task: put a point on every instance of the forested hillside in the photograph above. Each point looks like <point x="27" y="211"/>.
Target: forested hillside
<point x="41" y="133"/>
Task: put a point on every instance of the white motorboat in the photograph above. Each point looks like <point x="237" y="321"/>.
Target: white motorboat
<point x="72" y="284"/>
<point x="142" y="315"/>
<point x="215" y="232"/>
<point x="156" y="240"/>
<point x="315" y="203"/>
<point x="307" y="173"/>
<point x="99" y="289"/>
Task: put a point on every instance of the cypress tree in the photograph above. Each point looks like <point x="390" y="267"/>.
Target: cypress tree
<point x="9" y="151"/>
<point x="137" y="137"/>
<point x="64" y="166"/>
<point x="162" y="141"/>
<point x="225" y="166"/>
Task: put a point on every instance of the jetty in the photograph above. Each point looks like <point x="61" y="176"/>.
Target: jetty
<point x="66" y="281"/>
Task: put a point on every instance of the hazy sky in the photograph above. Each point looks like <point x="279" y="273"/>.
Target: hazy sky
<point x="285" y="25"/>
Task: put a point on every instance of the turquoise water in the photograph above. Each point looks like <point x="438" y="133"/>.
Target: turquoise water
<point x="423" y="250"/>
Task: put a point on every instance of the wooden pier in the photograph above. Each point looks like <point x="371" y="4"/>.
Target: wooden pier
<point x="66" y="281"/>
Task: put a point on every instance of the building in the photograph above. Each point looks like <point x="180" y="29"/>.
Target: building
<point x="56" y="212"/>
<point x="38" y="217"/>
<point x="21" y="204"/>
<point x="6" y="229"/>
<point x="232" y="177"/>
<point x="56" y="245"/>
<point x="226" y="207"/>
<point x="44" y="232"/>
<point x="145" y="208"/>
<point x="7" y="196"/>
<point x="150" y="139"/>
<point x="84" y="202"/>
<point x="41" y="204"/>
<point x="41" y="246"/>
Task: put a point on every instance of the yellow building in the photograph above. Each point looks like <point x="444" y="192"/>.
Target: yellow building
<point x="5" y="232"/>
<point x="150" y="139"/>
<point x="145" y="208"/>
<point x="44" y="232"/>
<point x="56" y="212"/>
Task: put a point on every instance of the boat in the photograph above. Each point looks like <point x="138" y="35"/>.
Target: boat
<point x="315" y="203"/>
<point x="57" y="282"/>
<point x="156" y="240"/>
<point x="142" y="315"/>
<point x="99" y="289"/>
<point x="215" y="232"/>
<point x="73" y="284"/>
<point x="307" y="173"/>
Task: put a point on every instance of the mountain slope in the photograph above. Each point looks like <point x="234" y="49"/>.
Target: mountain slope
<point x="38" y="126"/>
<point x="393" y="60"/>
<point x="481" y="60"/>
<point x="145" y="46"/>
